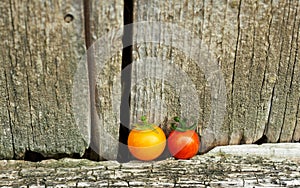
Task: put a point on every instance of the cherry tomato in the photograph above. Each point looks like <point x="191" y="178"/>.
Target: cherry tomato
<point x="146" y="141"/>
<point x="183" y="145"/>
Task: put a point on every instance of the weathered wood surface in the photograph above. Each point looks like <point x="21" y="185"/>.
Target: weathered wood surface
<point x="210" y="170"/>
<point x="106" y="25"/>
<point x="255" y="43"/>
<point x="43" y="44"/>
<point x="39" y="53"/>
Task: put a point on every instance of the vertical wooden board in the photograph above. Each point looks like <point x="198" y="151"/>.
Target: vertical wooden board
<point x="158" y="98"/>
<point x="226" y="59"/>
<point x="292" y="82"/>
<point x="254" y="43"/>
<point x="11" y="104"/>
<point x="252" y="89"/>
<point x="155" y="98"/>
<point x="44" y="42"/>
<point x="283" y="113"/>
<point x="221" y="32"/>
<point x="106" y="20"/>
<point x="6" y="137"/>
<point x="143" y="99"/>
<point x="219" y="24"/>
<point x="241" y="70"/>
<point x="272" y="42"/>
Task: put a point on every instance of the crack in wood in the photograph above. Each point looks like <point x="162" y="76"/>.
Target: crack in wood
<point x="296" y="122"/>
<point x="270" y="104"/>
<point x="234" y="63"/>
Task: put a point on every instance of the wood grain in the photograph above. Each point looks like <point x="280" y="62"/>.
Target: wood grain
<point x="251" y="45"/>
<point x="255" y="44"/>
<point x="40" y="51"/>
<point x="106" y="18"/>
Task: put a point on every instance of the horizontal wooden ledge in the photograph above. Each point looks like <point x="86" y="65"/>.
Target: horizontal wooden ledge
<point x="269" y="150"/>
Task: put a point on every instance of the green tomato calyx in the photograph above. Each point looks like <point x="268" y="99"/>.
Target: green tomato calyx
<point x="181" y="125"/>
<point x="144" y="125"/>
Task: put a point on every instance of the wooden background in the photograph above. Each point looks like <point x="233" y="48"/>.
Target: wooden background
<point x="255" y="44"/>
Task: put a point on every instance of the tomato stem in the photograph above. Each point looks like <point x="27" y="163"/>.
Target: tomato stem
<point x="144" y="119"/>
<point x="145" y="125"/>
<point x="183" y="125"/>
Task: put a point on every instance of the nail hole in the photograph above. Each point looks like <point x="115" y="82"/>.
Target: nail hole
<point x="68" y="18"/>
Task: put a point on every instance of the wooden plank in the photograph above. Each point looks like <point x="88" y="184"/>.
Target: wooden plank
<point x="42" y="44"/>
<point x="255" y="44"/>
<point x="157" y="98"/>
<point x="280" y="151"/>
<point x="292" y="78"/>
<point x="254" y="70"/>
<point x="106" y="21"/>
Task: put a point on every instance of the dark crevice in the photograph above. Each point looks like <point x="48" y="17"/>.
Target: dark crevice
<point x="33" y="156"/>
<point x="296" y="122"/>
<point x="87" y="30"/>
<point x="236" y="49"/>
<point x="30" y="106"/>
<point x="243" y="139"/>
<point x="91" y="155"/>
<point x="223" y="52"/>
<point x="123" y="153"/>
<point x="262" y="140"/>
<point x="36" y="157"/>
<point x="234" y="64"/>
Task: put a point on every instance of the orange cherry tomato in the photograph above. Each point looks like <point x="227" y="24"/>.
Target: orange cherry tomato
<point x="147" y="144"/>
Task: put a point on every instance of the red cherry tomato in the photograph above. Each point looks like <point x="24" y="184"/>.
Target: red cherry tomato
<point x="183" y="145"/>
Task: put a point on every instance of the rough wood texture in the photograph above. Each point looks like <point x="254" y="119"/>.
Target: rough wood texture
<point x="40" y="49"/>
<point x="218" y="169"/>
<point x="106" y="19"/>
<point x="43" y="59"/>
<point x="255" y="43"/>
